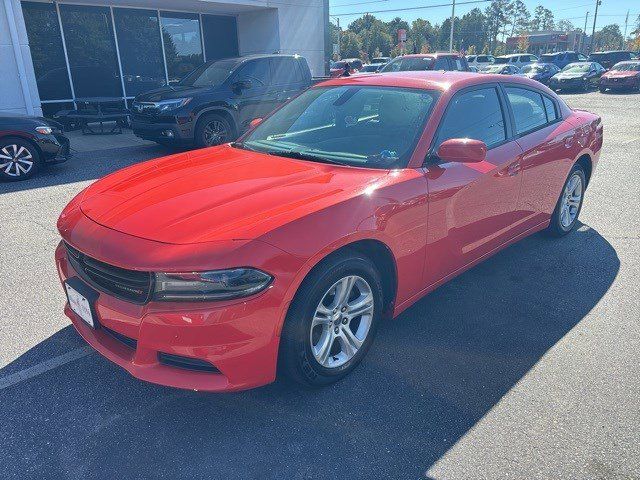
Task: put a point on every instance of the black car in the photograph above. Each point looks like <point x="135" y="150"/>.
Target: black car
<point x="216" y="102"/>
<point x="541" y="72"/>
<point x="577" y="76"/>
<point x="610" y="58"/>
<point x="27" y="144"/>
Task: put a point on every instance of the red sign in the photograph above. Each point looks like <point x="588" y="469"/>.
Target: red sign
<point x="402" y="35"/>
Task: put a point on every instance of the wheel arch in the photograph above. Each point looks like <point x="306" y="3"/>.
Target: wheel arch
<point x="218" y="110"/>
<point x="587" y="164"/>
<point x="24" y="138"/>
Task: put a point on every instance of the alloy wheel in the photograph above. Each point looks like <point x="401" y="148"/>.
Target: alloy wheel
<point x="571" y="200"/>
<point x="15" y="160"/>
<point x="215" y="132"/>
<point x="342" y="321"/>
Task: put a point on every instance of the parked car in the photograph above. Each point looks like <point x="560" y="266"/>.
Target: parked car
<point x="480" y="61"/>
<point x="610" y="58"/>
<point x="517" y="59"/>
<point x="541" y="72"/>
<point x="428" y="61"/>
<point x="577" y="76"/>
<point x="501" y="69"/>
<point x="28" y="144"/>
<point x="215" y="103"/>
<point x="622" y="76"/>
<point x="371" y="68"/>
<point x="283" y="252"/>
<point x="562" y="59"/>
<point x="382" y="60"/>
<point x="345" y="67"/>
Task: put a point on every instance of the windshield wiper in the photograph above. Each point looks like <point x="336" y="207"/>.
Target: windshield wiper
<point x="305" y="156"/>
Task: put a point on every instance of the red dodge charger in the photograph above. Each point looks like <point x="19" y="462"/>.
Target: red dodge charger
<point x="282" y="252"/>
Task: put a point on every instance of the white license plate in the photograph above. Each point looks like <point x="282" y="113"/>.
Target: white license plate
<point x="80" y="305"/>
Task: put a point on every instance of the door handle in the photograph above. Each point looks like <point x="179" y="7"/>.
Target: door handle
<point x="568" y="141"/>
<point x="514" y="169"/>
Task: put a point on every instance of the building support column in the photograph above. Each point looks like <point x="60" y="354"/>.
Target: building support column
<point x="19" y="58"/>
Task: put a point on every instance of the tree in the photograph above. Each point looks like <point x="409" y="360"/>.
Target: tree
<point x="350" y="44"/>
<point x="565" y="26"/>
<point x="523" y="43"/>
<point x="423" y="33"/>
<point x="470" y="31"/>
<point x="496" y="19"/>
<point x="376" y="38"/>
<point x="365" y="22"/>
<point x="521" y="18"/>
<point x="542" y="19"/>
<point x="608" y="38"/>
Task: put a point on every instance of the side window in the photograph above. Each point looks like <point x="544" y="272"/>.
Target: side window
<point x="476" y="114"/>
<point x="458" y="65"/>
<point x="441" y="64"/>
<point x="283" y="71"/>
<point x="550" y="108"/>
<point x="255" y="70"/>
<point x="528" y="109"/>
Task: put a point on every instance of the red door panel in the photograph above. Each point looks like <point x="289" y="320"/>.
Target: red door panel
<point x="472" y="209"/>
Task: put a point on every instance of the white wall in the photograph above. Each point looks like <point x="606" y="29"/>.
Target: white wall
<point x="12" y="98"/>
<point x="302" y="32"/>
<point x="258" y="32"/>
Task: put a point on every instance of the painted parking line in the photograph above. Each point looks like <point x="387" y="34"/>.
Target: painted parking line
<point x="44" y="367"/>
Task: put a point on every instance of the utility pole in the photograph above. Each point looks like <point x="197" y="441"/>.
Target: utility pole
<point x="453" y="13"/>
<point x="584" y="33"/>
<point x="593" y="31"/>
<point x="339" y="32"/>
<point x="624" y="37"/>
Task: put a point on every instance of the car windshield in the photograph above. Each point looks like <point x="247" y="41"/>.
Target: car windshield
<point x="370" y="68"/>
<point x="409" y="64"/>
<point x="339" y="65"/>
<point x="502" y="60"/>
<point x="493" y="69"/>
<point x="626" y="67"/>
<point x="209" y="74"/>
<point x="365" y="126"/>
<point x="577" y="68"/>
<point x="533" y="68"/>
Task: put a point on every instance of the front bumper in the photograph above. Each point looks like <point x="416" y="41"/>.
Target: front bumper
<point x="567" y="84"/>
<point x="55" y="148"/>
<point x="620" y="83"/>
<point x="162" y="129"/>
<point x="240" y="339"/>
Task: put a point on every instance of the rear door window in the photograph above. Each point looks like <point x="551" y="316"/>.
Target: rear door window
<point x="476" y="114"/>
<point x="550" y="108"/>
<point x="441" y="64"/>
<point x="283" y="71"/>
<point x="529" y="112"/>
<point x="257" y="71"/>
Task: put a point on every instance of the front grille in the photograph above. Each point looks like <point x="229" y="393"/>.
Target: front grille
<point x="186" y="363"/>
<point x="130" y="285"/>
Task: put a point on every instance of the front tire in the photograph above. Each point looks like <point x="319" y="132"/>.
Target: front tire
<point x="213" y="129"/>
<point x="332" y="320"/>
<point x="565" y="215"/>
<point x="19" y="159"/>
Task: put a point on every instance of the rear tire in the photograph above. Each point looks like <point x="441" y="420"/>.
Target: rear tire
<point x="565" y="215"/>
<point x="19" y="159"/>
<point x="324" y="338"/>
<point x="213" y="129"/>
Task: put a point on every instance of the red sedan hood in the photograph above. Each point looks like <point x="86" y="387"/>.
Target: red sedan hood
<point x="221" y="193"/>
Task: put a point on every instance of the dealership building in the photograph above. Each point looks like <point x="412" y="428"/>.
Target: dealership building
<point x="54" y="53"/>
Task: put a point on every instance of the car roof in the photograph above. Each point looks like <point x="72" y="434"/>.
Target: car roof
<point x="427" y="80"/>
<point x="431" y="55"/>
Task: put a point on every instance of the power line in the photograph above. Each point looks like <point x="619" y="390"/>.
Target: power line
<point x="358" y="3"/>
<point x="408" y="8"/>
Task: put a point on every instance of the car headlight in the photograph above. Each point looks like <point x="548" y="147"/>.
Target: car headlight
<point x="44" y="130"/>
<point x="214" y="285"/>
<point x="168" y="105"/>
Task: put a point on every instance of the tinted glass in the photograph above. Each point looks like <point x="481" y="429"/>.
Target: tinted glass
<point x="140" y="49"/>
<point x="528" y="109"/>
<point x="210" y="74"/>
<point x="626" y="67"/>
<point x="441" y="63"/>
<point x="47" y="54"/>
<point x="364" y="126"/>
<point x="220" y="37"/>
<point x="458" y="64"/>
<point x="407" y="64"/>
<point x="477" y="115"/>
<point x="550" y="109"/>
<point x="257" y="71"/>
<point x="182" y="44"/>
<point x="502" y="60"/>
<point x="91" y="50"/>
<point x="283" y="71"/>
<point x="472" y="58"/>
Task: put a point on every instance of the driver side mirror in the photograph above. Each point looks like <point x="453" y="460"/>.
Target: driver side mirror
<point x="255" y="122"/>
<point x="241" y="85"/>
<point x="462" y="150"/>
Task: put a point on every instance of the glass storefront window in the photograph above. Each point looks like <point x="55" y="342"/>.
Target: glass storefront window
<point x="47" y="53"/>
<point x="182" y="44"/>
<point x="91" y="51"/>
<point x="140" y="49"/>
<point x="220" y="37"/>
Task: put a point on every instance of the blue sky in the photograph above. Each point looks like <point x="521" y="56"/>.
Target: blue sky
<point x="611" y="11"/>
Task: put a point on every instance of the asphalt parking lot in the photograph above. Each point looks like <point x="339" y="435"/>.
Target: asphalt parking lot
<point x="527" y="366"/>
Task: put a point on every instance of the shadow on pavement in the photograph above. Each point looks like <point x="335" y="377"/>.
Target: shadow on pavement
<point x="431" y="375"/>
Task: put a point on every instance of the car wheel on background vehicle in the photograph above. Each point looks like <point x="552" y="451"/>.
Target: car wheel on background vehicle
<point x="332" y="320"/>
<point x="213" y="129"/>
<point x="565" y="215"/>
<point x="602" y="89"/>
<point x="19" y="159"/>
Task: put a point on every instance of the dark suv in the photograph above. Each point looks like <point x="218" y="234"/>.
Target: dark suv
<point x="610" y="58"/>
<point x="216" y="102"/>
